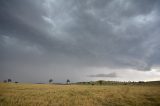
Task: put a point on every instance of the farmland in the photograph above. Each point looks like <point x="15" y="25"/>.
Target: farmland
<point x="12" y="94"/>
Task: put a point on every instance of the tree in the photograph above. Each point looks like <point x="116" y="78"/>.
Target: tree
<point x="50" y="80"/>
<point x="68" y="81"/>
<point x="100" y="82"/>
<point x="9" y="80"/>
<point x="5" y="81"/>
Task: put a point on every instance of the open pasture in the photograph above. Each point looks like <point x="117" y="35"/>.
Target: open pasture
<point x="12" y="94"/>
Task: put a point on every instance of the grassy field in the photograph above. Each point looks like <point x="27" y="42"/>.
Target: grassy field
<point x="12" y="94"/>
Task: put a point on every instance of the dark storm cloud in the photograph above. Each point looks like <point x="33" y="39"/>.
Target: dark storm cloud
<point x="77" y="34"/>
<point x="104" y="75"/>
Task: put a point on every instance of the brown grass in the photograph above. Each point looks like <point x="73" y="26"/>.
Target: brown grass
<point x="78" y="95"/>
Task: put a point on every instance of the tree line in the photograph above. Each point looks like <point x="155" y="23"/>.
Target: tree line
<point x="50" y="81"/>
<point x="100" y="82"/>
<point x="9" y="80"/>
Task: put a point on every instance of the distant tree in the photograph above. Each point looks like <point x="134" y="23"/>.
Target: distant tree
<point x="83" y="82"/>
<point x="16" y="82"/>
<point x="91" y="82"/>
<point x="100" y="82"/>
<point x="50" y="80"/>
<point x="141" y="82"/>
<point x="5" y="81"/>
<point x="9" y="80"/>
<point x="68" y="81"/>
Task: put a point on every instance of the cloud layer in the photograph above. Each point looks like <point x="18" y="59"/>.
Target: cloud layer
<point x="104" y="75"/>
<point x="56" y="38"/>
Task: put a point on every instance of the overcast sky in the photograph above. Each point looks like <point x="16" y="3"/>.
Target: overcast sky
<point x="82" y="40"/>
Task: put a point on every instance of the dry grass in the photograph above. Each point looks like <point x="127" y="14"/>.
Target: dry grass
<point x="78" y="95"/>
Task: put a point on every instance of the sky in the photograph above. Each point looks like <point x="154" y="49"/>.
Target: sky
<point x="80" y="40"/>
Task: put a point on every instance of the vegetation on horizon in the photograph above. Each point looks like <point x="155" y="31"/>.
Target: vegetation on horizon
<point x="103" y="82"/>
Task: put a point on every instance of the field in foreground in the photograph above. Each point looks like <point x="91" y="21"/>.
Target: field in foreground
<point x="78" y="95"/>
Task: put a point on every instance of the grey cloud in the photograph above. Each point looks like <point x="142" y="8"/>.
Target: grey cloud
<point x="76" y="33"/>
<point x="104" y="75"/>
